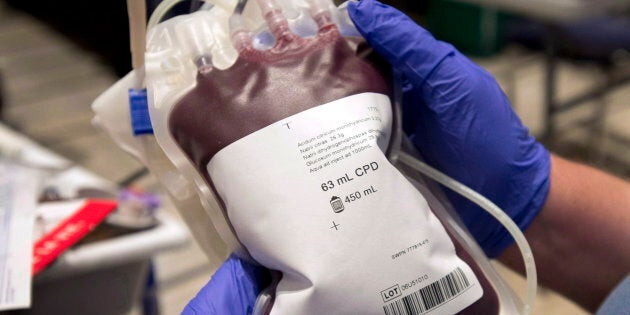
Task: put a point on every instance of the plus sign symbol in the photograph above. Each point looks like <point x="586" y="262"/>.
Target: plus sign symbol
<point x="335" y="226"/>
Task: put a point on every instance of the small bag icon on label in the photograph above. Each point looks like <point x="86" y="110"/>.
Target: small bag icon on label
<point x="337" y="204"/>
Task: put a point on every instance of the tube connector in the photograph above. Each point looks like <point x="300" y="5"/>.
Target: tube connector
<point x="197" y="41"/>
<point x="274" y="17"/>
<point x="268" y="6"/>
<point x="241" y="37"/>
<point x="204" y="63"/>
<point x="317" y="7"/>
<point x="320" y="11"/>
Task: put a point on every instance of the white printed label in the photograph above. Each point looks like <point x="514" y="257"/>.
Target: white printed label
<point x="315" y="197"/>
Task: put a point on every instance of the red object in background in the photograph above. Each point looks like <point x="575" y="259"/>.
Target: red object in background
<point x="70" y="231"/>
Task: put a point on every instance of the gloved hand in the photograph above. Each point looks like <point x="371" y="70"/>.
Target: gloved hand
<point x="461" y="122"/>
<point x="231" y="291"/>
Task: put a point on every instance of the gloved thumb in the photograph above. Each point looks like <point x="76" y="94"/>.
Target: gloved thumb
<point x="232" y="290"/>
<point x="403" y="43"/>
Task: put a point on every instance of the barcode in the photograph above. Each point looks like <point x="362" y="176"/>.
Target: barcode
<point x="430" y="296"/>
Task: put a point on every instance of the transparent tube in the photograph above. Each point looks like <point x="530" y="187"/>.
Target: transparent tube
<point x="136" y="10"/>
<point x="505" y="220"/>
<point x="160" y="11"/>
<point x="166" y="5"/>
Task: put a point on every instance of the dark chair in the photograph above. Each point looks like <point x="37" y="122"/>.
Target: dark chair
<point x="603" y="42"/>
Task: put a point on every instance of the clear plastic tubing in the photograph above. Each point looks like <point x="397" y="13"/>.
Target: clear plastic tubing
<point x="136" y="10"/>
<point x="160" y="11"/>
<point x="167" y="5"/>
<point x="491" y="208"/>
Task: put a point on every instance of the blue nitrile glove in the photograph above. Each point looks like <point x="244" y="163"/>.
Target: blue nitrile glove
<point x="231" y="291"/>
<point x="461" y="122"/>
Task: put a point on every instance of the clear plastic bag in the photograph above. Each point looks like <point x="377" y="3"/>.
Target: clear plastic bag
<point x="224" y="89"/>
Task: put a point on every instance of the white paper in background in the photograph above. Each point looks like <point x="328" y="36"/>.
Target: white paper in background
<point x="19" y="188"/>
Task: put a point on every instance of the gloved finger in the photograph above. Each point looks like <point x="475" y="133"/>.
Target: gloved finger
<point x="231" y="291"/>
<point x="450" y="77"/>
<point x="403" y="43"/>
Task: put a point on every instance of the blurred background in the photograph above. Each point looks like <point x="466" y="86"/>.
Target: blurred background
<point x="565" y="65"/>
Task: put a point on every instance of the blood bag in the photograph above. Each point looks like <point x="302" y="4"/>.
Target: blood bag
<point x="288" y="126"/>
